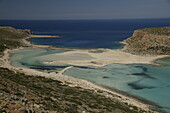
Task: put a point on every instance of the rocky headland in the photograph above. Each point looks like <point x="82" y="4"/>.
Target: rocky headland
<point x="152" y="41"/>
<point x="11" y="37"/>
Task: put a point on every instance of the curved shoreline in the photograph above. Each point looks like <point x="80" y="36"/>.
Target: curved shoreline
<point x="151" y="62"/>
<point x="76" y="82"/>
<point x="125" y="98"/>
<point x="123" y="57"/>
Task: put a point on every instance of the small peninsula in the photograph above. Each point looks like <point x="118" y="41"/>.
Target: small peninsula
<point x="23" y="92"/>
<point x="153" y="41"/>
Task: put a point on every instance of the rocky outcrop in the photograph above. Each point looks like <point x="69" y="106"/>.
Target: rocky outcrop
<point x="154" y="41"/>
<point x="12" y="38"/>
<point x="19" y="31"/>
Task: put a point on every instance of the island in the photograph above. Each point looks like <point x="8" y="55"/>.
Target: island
<point x="20" y="91"/>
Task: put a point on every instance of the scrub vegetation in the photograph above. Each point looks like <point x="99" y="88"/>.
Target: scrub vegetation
<point x="153" y="41"/>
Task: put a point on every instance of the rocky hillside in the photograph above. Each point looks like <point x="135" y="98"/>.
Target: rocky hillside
<point x="149" y="41"/>
<point x="11" y="37"/>
<point x="20" y="93"/>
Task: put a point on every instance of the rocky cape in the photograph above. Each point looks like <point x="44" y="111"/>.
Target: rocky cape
<point x="152" y="41"/>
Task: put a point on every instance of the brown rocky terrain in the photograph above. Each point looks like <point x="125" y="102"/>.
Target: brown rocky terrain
<point x="11" y="37"/>
<point x="20" y="93"/>
<point x="154" y="41"/>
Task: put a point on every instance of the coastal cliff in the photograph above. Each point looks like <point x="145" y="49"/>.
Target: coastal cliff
<point x="153" y="41"/>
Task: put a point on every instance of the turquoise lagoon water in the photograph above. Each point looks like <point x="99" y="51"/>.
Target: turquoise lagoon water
<point x="144" y="81"/>
<point x="165" y="61"/>
<point x="30" y="59"/>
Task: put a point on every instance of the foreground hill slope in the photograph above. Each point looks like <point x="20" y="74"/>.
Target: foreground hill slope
<point x="155" y="41"/>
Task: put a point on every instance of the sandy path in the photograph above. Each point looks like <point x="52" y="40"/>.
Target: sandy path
<point x="65" y="69"/>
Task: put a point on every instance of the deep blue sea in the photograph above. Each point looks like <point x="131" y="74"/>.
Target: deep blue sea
<point x="143" y="81"/>
<point x="84" y="33"/>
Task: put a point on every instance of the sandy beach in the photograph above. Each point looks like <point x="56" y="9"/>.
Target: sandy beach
<point x="87" y="58"/>
<point x="90" y="58"/>
<point x="36" y="36"/>
<point x="44" y="36"/>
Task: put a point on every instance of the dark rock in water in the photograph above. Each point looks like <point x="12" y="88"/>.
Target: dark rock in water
<point x="143" y="68"/>
<point x="84" y="67"/>
<point x="142" y="74"/>
<point x="105" y="77"/>
<point x="135" y="86"/>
